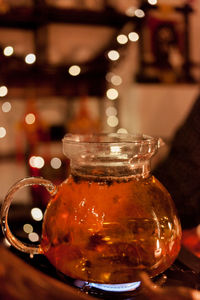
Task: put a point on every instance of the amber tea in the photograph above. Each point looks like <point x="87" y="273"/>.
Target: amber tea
<point x="104" y="230"/>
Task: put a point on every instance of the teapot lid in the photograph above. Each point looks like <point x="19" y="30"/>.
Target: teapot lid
<point x="111" y="144"/>
<point x="108" y="152"/>
<point x="110" y="138"/>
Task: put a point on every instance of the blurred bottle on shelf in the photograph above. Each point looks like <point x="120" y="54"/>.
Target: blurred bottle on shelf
<point x="83" y="121"/>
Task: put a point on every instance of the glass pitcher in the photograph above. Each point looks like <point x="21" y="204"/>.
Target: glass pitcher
<point x="110" y="219"/>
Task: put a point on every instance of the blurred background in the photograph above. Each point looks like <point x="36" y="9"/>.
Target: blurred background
<point x="90" y="66"/>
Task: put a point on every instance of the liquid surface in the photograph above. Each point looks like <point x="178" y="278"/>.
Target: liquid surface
<point x="107" y="230"/>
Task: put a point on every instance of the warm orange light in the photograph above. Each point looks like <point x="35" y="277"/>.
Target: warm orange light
<point x="30" y="118"/>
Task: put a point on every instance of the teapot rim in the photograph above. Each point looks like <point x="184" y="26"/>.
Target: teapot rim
<point x="109" y="138"/>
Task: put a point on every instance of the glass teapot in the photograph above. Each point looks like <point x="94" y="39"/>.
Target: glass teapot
<point x="110" y="219"/>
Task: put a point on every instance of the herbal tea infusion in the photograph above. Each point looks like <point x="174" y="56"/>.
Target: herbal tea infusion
<point x="110" y="218"/>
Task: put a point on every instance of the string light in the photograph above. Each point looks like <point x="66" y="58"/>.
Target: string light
<point x="8" y="51"/>
<point x="30" y="58"/>
<point x="2" y="132"/>
<point x="122" y="130"/>
<point x="33" y="237"/>
<point x="116" y="80"/>
<point x="111" y="111"/>
<point x="152" y="2"/>
<point x="112" y="94"/>
<point x="30" y="118"/>
<point x="55" y="163"/>
<point x="113" y="55"/>
<point x="6" y="107"/>
<point x="130" y="12"/>
<point x="74" y="70"/>
<point x="28" y="228"/>
<point x="37" y="214"/>
<point x="122" y="39"/>
<point x="112" y="121"/>
<point x="139" y="13"/>
<point x="3" y="91"/>
<point x="133" y="36"/>
<point x="36" y="162"/>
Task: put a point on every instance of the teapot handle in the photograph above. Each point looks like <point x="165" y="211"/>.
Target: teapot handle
<point x="28" y="248"/>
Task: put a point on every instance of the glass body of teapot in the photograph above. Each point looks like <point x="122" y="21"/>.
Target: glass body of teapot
<point x="110" y="219"/>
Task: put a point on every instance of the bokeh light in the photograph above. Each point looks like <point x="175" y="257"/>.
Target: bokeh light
<point x="30" y="58"/>
<point x="36" y="162"/>
<point x="116" y="80"/>
<point x="122" y="130"/>
<point x="112" y="94"/>
<point x="130" y="11"/>
<point x="112" y="121"/>
<point x="6" y="106"/>
<point x="111" y="111"/>
<point x="8" y="51"/>
<point x="33" y="237"/>
<point x="74" y="70"/>
<point x="133" y="36"/>
<point x="55" y="163"/>
<point x="30" y="118"/>
<point x="2" y="132"/>
<point x="152" y="2"/>
<point x="113" y="55"/>
<point x="122" y="39"/>
<point x="28" y="228"/>
<point x="3" y="91"/>
<point x="139" y="13"/>
<point x="37" y="214"/>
